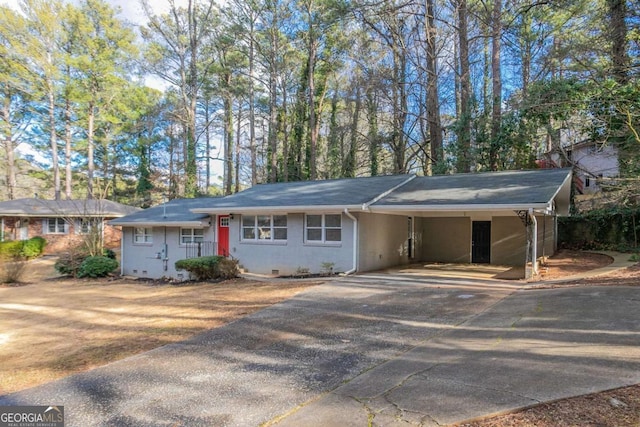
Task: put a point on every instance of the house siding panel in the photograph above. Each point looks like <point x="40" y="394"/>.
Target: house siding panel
<point x="383" y="241"/>
<point x="446" y="239"/>
<point x="508" y="241"/>
<point x="287" y="258"/>
<point x="143" y="261"/>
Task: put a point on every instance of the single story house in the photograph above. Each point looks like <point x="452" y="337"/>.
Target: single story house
<point x="356" y="224"/>
<point x="62" y="223"/>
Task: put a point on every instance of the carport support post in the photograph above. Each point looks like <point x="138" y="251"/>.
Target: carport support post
<point x="534" y="243"/>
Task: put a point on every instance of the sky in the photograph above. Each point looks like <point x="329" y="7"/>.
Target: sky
<point x="130" y="9"/>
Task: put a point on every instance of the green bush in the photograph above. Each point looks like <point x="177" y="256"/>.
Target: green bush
<point x="209" y="267"/>
<point x="109" y="253"/>
<point x="97" y="266"/>
<point x="69" y="264"/>
<point x="11" y="249"/>
<point x="33" y="247"/>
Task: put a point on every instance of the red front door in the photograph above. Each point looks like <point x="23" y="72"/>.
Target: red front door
<point x="223" y="235"/>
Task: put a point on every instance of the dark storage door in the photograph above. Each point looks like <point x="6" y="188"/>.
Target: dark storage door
<point x="481" y="242"/>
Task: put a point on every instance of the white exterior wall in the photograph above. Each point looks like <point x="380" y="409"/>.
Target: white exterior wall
<point x="149" y="261"/>
<point x="384" y="241"/>
<point x="287" y="258"/>
<point x="598" y="161"/>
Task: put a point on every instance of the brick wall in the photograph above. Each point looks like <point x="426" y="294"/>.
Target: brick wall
<point x="58" y="243"/>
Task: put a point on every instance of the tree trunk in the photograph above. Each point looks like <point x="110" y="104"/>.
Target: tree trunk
<point x="237" y="151"/>
<point x="228" y="136"/>
<point x="496" y="110"/>
<point x="68" y="136"/>
<point x="313" y="136"/>
<point x="252" y="114"/>
<point x="619" y="57"/>
<point x="464" y="119"/>
<point x="433" y="104"/>
<point x="8" y="146"/>
<point x="53" y="140"/>
<point x="90" y="148"/>
<point x="350" y="166"/>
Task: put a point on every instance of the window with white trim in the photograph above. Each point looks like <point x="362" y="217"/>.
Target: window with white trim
<point x="86" y="225"/>
<point x="264" y="227"/>
<point x="142" y="235"/>
<point x="191" y="235"/>
<point x="56" y="226"/>
<point x="326" y="228"/>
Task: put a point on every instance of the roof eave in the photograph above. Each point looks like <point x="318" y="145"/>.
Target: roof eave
<point x="275" y="209"/>
<point x="460" y="207"/>
<point x="193" y="224"/>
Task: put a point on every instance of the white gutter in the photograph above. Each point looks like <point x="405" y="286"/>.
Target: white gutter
<point x="122" y="252"/>
<point x="355" y="242"/>
<point x="534" y="243"/>
<point x="185" y="224"/>
<point x="458" y="208"/>
<point x="274" y="209"/>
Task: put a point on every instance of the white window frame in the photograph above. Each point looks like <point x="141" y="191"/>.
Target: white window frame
<point x="194" y="235"/>
<point x="57" y="222"/>
<point x="90" y="224"/>
<point x="323" y="228"/>
<point x="263" y="232"/>
<point x="142" y="235"/>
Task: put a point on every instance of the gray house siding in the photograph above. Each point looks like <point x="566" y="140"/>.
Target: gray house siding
<point x="148" y="260"/>
<point x="383" y="241"/>
<point x="287" y="258"/>
<point x="508" y="241"/>
<point x="446" y="239"/>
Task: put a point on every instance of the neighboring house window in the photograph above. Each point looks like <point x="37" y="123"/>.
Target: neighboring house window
<point x="142" y="235"/>
<point x="587" y="181"/>
<point x="323" y="228"/>
<point x="191" y="235"/>
<point x="85" y="225"/>
<point x="55" y="226"/>
<point x="264" y="227"/>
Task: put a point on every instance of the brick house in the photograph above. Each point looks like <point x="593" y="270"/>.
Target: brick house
<point x="64" y="224"/>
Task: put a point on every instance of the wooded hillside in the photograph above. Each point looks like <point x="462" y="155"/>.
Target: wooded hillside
<point x="284" y="90"/>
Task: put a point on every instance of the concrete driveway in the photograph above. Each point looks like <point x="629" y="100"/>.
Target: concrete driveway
<point x="389" y="349"/>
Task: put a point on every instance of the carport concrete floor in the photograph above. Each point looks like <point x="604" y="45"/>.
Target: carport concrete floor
<point x="373" y="349"/>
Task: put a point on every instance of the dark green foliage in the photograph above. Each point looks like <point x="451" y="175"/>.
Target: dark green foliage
<point x="108" y="253"/>
<point x="97" y="266"/>
<point x="604" y="229"/>
<point x="33" y="247"/>
<point x="11" y="248"/>
<point x="209" y="268"/>
<point x="69" y="264"/>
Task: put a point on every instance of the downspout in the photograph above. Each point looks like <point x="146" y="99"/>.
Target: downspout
<point x="122" y="251"/>
<point x="534" y="243"/>
<point x="355" y="242"/>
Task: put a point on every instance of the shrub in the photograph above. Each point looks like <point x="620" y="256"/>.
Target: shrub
<point x="209" y="267"/>
<point x="11" y="249"/>
<point x="33" y="247"/>
<point x="69" y="264"/>
<point x="109" y="253"/>
<point x="11" y="270"/>
<point x="97" y="266"/>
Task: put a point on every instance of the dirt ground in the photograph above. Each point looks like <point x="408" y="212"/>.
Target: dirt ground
<point x="52" y="327"/>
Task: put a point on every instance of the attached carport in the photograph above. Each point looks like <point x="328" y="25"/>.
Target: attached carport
<point x="506" y="218"/>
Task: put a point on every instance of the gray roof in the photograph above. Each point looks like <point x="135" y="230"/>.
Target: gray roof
<point x="177" y="212"/>
<point x="514" y="190"/>
<point x="511" y="188"/>
<point x="64" y="208"/>
<point x="341" y="193"/>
